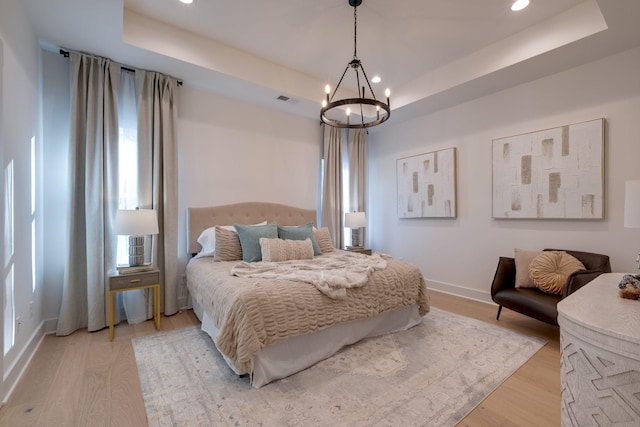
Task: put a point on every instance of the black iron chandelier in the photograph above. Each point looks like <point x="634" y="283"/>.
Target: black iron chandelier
<point x="372" y="112"/>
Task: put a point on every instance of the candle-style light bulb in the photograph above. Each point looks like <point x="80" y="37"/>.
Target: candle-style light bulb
<point x="388" y="94"/>
<point x="348" y="114"/>
<point x="327" y="90"/>
<point x="324" y="103"/>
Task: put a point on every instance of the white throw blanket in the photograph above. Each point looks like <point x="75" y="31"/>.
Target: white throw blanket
<point x="330" y="275"/>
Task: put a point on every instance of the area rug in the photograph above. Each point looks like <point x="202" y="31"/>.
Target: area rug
<point x="430" y="375"/>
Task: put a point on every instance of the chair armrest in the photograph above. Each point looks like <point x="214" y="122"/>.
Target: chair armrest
<point x="505" y="277"/>
<point x="578" y="279"/>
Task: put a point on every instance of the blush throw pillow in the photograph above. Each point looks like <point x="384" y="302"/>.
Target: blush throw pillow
<point x="250" y="239"/>
<point x="550" y="270"/>
<point x="227" y="245"/>
<point x="207" y="240"/>
<point x="276" y="250"/>
<point x="323" y="237"/>
<point x="523" y="259"/>
<point x="301" y="232"/>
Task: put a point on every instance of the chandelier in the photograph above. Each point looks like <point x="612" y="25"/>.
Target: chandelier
<point x="371" y="111"/>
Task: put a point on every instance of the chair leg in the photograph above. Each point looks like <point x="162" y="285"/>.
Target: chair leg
<point x="499" y="310"/>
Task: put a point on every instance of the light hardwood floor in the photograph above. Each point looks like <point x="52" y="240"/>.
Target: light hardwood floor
<point x="85" y="380"/>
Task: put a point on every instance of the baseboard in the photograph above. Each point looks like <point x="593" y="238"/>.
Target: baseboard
<point x="461" y="291"/>
<point x="50" y="326"/>
<point x="15" y="372"/>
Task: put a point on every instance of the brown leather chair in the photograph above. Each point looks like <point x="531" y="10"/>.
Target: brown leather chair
<point x="533" y="302"/>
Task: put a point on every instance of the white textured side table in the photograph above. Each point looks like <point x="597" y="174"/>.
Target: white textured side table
<point x="600" y="345"/>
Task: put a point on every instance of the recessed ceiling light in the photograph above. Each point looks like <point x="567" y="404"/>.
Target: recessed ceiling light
<point x="376" y="79"/>
<point x="519" y="5"/>
<point x="186" y="1"/>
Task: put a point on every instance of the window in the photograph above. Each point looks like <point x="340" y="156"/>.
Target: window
<point x="127" y="154"/>
<point x="346" y="195"/>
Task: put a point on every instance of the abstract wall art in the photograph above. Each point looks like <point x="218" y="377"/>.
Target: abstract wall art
<point x="427" y="185"/>
<point x="550" y="174"/>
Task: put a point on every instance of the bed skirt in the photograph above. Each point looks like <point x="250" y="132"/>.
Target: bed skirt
<point x="300" y="352"/>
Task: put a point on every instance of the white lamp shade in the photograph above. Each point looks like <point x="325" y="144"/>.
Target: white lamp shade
<point x="632" y="204"/>
<point x="355" y="220"/>
<point x="139" y="222"/>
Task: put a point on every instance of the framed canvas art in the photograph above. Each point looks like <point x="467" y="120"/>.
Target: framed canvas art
<point x="427" y="185"/>
<point x="550" y="174"/>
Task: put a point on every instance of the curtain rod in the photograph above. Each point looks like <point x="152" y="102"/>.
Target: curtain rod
<point x="65" y="53"/>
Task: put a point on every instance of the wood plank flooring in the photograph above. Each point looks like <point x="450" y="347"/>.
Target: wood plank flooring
<point x="85" y="380"/>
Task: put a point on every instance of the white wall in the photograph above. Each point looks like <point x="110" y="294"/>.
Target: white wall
<point x="231" y="151"/>
<point x="20" y="123"/>
<point x="460" y="255"/>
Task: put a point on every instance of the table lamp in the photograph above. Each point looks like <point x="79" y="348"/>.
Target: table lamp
<point x="355" y="221"/>
<point x="632" y="207"/>
<point x="136" y="224"/>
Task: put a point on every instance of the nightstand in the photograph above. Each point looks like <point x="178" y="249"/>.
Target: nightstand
<point x="359" y="250"/>
<point x="131" y="281"/>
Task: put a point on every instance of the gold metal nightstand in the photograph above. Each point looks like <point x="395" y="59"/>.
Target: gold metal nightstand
<point x="131" y="281"/>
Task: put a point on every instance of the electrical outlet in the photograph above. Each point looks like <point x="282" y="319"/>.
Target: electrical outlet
<point x="18" y="323"/>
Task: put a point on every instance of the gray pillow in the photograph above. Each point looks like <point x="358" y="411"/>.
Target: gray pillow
<point x="301" y="232"/>
<point x="250" y="239"/>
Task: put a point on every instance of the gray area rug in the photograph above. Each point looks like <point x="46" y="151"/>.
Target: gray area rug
<point x="431" y="375"/>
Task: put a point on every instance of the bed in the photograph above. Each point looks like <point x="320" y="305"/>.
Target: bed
<point x="271" y="328"/>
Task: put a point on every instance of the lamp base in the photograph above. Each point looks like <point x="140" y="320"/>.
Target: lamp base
<point x="355" y="238"/>
<point x="136" y="250"/>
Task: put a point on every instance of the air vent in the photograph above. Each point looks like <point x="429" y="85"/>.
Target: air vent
<point x="283" y="98"/>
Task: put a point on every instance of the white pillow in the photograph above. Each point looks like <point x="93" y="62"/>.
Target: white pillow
<point x="207" y="239"/>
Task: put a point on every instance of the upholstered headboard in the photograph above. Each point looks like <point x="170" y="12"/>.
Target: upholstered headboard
<point x="199" y="219"/>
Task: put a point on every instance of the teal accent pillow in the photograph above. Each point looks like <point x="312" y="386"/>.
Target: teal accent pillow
<point x="301" y="232"/>
<point x="250" y="239"/>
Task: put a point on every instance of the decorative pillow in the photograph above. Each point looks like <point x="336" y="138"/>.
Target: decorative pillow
<point x="250" y="239"/>
<point x="550" y="270"/>
<point x="523" y="259"/>
<point x="227" y="245"/>
<point x="300" y="233"/>
<point x="323" y="237"/>
<point x="284" y="250"/>
<point x="207" y="240"/>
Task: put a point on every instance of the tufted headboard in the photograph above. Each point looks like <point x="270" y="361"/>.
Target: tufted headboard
<point x="199" y="219"/>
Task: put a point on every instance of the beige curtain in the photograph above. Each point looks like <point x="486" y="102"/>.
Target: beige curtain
<point x="357" y="142"/>
<point x="94" y="186"/>
<point x="332" y="186"/>
<point x="158" y="175"/>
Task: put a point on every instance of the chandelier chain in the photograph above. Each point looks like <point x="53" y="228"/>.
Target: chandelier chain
<point x="355" y="32"/>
